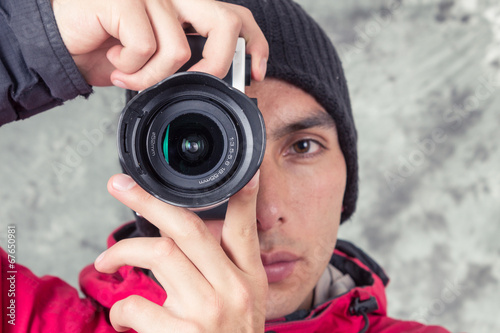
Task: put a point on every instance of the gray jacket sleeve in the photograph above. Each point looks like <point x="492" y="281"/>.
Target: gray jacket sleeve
<point x="36" y="70"/>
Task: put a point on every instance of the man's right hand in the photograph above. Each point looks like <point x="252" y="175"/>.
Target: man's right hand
<point x="136" y="43"/>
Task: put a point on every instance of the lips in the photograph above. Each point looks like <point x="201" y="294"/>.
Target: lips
<point x="278" y="265"/>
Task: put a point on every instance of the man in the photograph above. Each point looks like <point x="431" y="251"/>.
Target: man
<point x="269" y="264"/>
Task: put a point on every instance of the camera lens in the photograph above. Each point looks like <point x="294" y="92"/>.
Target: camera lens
<point x="190" y="144"/>
<point x="191" y="140"/>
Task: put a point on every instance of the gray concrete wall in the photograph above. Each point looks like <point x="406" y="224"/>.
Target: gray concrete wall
<point x="424" y="79"/>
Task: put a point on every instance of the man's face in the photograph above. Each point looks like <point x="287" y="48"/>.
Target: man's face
<point x="301" y="189"/>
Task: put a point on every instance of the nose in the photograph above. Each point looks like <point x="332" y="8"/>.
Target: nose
<point x="271" y="197"/>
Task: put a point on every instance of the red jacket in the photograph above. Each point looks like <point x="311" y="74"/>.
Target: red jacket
<point x="48" y="304"/>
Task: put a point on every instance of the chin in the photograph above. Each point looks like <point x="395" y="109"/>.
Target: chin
<point x="283" y="300"/>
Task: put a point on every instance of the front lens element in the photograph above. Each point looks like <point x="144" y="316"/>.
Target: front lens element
<point x="193" y="144"/>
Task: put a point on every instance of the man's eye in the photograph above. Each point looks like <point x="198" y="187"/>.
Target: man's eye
<point x="306" y="147"/>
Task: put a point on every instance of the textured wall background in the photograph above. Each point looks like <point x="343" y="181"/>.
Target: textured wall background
<point x="424" y="78"/>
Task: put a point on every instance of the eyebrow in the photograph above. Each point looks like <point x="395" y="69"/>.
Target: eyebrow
<point x="317" y="119"/>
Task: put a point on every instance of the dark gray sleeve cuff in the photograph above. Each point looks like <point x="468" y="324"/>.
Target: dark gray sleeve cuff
<point x="71" y="80"/>
<point x="37" y="71"/>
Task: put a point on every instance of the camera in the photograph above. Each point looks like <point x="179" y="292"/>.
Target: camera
<point x="193" y="140"/>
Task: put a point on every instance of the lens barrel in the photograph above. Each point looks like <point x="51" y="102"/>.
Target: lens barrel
<point x="191" y="140"/>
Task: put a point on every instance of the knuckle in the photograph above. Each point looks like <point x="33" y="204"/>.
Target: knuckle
<point x="164" y="247"/>
<point x="245" y="299"/>
<point x="218" y="71"/>
<point x="232" y="21"/>
<point x="181" y="55"/>
<point x="246" y="12"/>
<point x="216" y="312"/>
<point x="127" y="307"/>
<point x="243" y="290"/>
<point x="194" y="227"/>
<point x="249" y="231"/>
<point x="146" y="49"/>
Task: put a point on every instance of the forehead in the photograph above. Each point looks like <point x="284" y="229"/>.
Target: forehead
<point x="287" y="108"/>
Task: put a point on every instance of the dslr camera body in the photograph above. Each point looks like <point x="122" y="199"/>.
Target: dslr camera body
<point x="193" y="140"/>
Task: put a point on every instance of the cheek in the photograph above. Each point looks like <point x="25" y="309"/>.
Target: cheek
<point x="319" y="194"/>
<point x="320" y="225"/>
<point x="318" y="205"/>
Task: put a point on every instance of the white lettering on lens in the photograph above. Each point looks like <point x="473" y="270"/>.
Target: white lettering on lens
<point x="152" y="146"/>
<point x="209" y="179"/>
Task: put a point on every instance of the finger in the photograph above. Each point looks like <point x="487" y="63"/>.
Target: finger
<point x="137" y="38"/>
<point x="142" y="315"/>
<point x="256" y="43"/>
<point x="187" y="230"/>
<point x="173" y="270"/>
<point x="172" y="49"/>
<point x="218" y="54"/>
<point x="239" y="234"/>
<point x="234" y="21"/>
<point x="222" y="27"/>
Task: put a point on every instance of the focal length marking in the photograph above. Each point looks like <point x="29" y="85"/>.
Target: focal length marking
<point x="152" y="144"/>
<point x="227" y="164"/>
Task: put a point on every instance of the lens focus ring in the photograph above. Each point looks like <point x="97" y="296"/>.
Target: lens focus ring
<point x="191" y="140"/>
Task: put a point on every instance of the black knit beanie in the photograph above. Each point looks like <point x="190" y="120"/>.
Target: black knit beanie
<point x="302" y="54"/>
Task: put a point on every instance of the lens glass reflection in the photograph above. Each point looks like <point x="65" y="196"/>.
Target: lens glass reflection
<point x="193" y="144"/>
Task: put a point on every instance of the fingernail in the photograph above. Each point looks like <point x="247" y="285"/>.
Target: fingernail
<point x="123" y="183"/>
<point x="100" y="257"/>
<point x="263" y="67"/>
<point x="119" y="84"/>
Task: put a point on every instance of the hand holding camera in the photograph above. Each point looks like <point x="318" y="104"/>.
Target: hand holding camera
<point x="137" y="43"/>
<point x="213" y="277"/>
